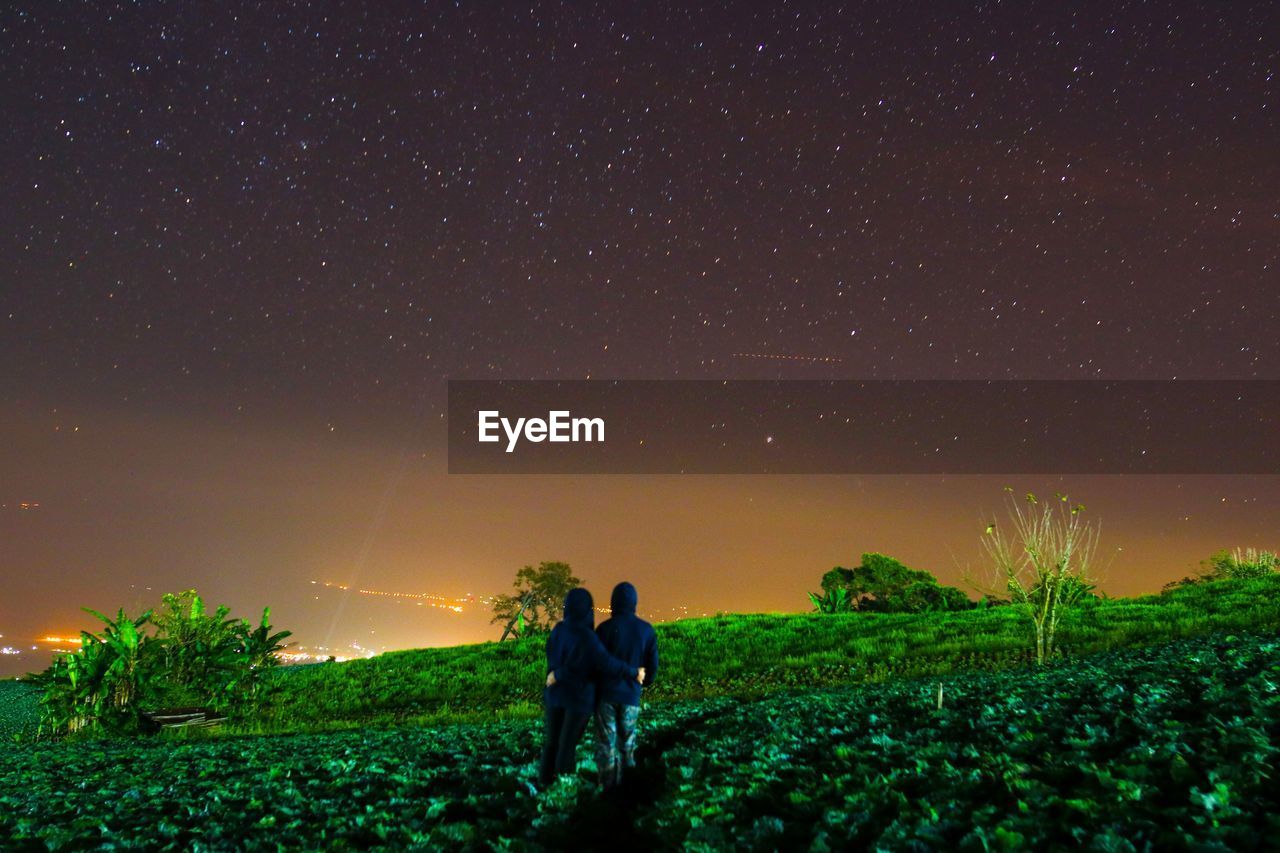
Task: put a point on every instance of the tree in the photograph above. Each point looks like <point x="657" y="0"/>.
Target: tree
<point x="538" y="602"/>
<point x="885" y="585"/>
<point x="1044" y="561"/>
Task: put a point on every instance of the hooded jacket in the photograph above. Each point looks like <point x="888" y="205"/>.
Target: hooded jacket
<point x="578" y="658"/>
<point x="631" y="639"/>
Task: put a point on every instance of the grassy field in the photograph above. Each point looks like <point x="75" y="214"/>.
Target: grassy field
<point x="749" y="655"/>
<point x="1157" y="728"/>
<point x="1169" y="746"/>
<point x="733" y="655"/>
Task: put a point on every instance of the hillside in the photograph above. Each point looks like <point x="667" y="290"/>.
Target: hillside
<point x="738" y="655"/>
<point x="1170" y="746"/>
<point x="754" y="654"/>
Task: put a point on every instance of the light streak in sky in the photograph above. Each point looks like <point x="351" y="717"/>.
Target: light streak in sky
<point x="459" y="604"/>
<point x="811" y="359"/>
<point x="444" y="602"/>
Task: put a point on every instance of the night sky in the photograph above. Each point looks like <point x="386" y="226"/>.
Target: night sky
<point x="242" y="247"/>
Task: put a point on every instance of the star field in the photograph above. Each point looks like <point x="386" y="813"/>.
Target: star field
<point x="242" y="247"/>
<point x="349" y="206"/>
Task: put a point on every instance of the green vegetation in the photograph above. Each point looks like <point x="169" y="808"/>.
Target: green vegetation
<point x="884" y="585"/>
<point x="1152" y="728"/>
<point x="19" y="710"/>
<point x="740" y="655"/>
<point x="1232" y="565"/>
<point x="193" y="657"/>
<point x="1164" y="747"/>
<point x="538" y="602"/>
<point x="752" y="655"/>
<point x="1168" y="747"/>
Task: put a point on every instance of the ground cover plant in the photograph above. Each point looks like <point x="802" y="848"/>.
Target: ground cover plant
<point x="741" y="655"/>
<point x="19" y="710"/>
<point x="1165" y="746"/>
<point x="752" y="655"/>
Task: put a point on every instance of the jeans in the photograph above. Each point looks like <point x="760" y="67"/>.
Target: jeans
<point x="562" y="729"/>
<point x="615" y="740"/>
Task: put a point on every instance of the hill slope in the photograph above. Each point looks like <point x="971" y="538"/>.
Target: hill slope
<point x="1170" y="746"/>
<point x="746" y="655"/>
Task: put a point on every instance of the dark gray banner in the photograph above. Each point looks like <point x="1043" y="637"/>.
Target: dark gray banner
<point x="867" y="427"/>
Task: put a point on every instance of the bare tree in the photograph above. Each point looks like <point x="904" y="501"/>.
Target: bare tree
<point x="1044" y="560"/>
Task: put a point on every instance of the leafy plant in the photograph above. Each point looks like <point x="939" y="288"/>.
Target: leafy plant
<point x="1165" y="747"/>
<point x="202" y="657"/>
<point x="98" y="687"/>
<point x="832" y="601"/>
<point x="193" y="657"/>
<point x="258" y="648"/>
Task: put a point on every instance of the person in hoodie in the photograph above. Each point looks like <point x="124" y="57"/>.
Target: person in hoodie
<point x="630" y="639"/>
<point x="576" y="659"/>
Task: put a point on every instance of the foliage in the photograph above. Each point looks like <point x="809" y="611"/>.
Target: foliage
<point x="1043" y="561"/>
<point x="743" y="655"/>
<point x="1232" y="565"/>
<point x="1169" y="747"/>
<point x="1242" y="563"/>
<point x="832" y="601"/>
<point x="19" y="710"/>
<point x="210" y="658"/>
<point x="538" y="602"/>
<point x="201" y="659"/>
<point x="882" y="584"/>
<point x="102" y="686"/>
<point x="193" y="657"/>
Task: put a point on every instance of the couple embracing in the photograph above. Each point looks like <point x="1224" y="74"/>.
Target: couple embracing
<point x="596" y="673"/>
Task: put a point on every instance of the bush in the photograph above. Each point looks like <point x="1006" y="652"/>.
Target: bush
<point x="884" y="585"/>
<point x="1240" y="564"/>
<point x="193" y="658"/>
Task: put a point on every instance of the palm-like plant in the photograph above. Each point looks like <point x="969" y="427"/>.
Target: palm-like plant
<point x="833" y="601"/>
<point x="258" y="648"/>
<point x="125" y="644"/>
<point x="100" y="685"/>
<point x="194" y="657"/>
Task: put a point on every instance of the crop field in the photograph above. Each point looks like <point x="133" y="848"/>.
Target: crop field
<point x="19" y="710"/>
<point x="1167" y="746"/>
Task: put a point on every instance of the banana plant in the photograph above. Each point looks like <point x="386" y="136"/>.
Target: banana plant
<point x="195" y="656"/>
<point x="259" y="648"/>
<point x="835" y="601"/>
<point x="125" y="645"/>
<point x="97" y="688"/>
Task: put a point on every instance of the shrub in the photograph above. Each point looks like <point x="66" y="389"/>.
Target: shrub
<point x="882" y="584"/>
<point x="193" y="657"/>
<point x="1240" y="564"/>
